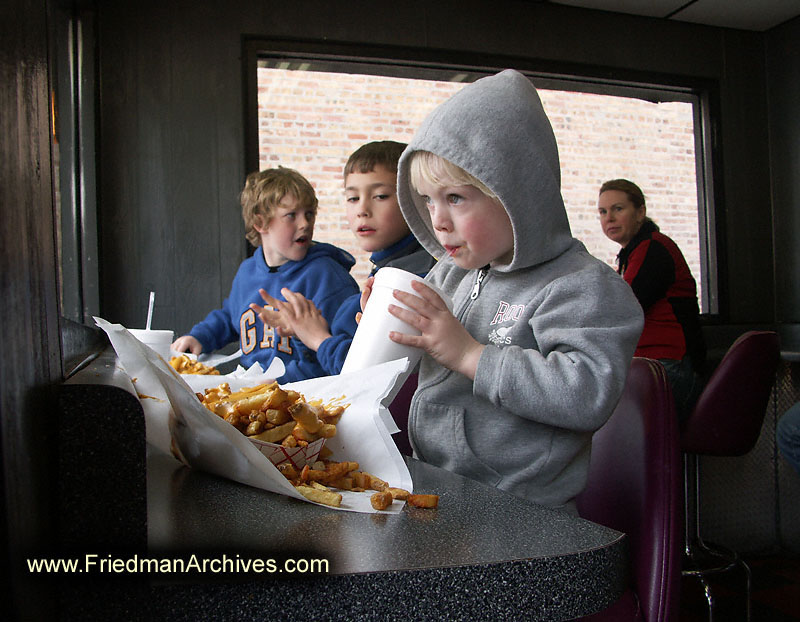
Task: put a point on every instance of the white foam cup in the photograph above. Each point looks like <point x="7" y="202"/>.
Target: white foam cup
<point x="371" y="344"/>
<point x="158" y="340"/>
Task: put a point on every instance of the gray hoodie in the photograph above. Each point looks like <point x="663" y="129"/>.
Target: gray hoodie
<point x="561" y="326"/>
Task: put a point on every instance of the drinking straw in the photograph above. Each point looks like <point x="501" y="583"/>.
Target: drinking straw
<point x="150" y="310"/>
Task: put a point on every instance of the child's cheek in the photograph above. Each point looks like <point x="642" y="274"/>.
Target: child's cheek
<point x="473" y="231"/>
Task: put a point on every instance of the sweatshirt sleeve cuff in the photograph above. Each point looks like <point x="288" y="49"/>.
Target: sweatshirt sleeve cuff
<point x="324" y="353"/>
<point x="204" y="340"/>
<point x="486" y="383"/>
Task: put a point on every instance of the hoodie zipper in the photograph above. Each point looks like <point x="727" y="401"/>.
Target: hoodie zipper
<point x="476" y="289"/>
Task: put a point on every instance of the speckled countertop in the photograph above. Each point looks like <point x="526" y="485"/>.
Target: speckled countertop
<point x="482" y="555"/>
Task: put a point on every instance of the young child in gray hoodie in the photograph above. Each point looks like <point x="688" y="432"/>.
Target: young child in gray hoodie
<point x="534" y="357"/>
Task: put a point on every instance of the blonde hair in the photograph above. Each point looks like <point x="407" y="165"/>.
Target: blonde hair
<point x="263" y="192"/>
<point x="437" y="170"/>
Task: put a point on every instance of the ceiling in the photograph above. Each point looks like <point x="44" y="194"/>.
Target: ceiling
<point x="757" y="15"/>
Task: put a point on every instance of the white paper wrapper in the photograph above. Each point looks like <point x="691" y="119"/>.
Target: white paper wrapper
<point x="205" y="441"/>
<point x="214" y="359"/>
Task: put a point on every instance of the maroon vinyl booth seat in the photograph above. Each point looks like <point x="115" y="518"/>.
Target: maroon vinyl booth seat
<point x="634" y="486"/>
<point x="399" y="409"/>
<point x="726" y="421"/>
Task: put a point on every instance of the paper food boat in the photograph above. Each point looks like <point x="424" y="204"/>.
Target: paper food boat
<point x="177" y="423"/>
<point x="298" y="456"/>
<point x="254" y="376"/>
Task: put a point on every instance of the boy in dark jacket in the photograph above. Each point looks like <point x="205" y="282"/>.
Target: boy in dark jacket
<point x="370" y="180"/>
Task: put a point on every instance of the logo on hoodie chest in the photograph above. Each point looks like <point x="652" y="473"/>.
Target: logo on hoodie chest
<point x="506" y="312"/>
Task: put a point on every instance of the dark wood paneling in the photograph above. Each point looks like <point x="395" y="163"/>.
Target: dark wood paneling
<point x="564" y="34"/>
<point x="783" y="93"/>
<point x="207" y="93"/>
<point x="169" y="192"/>
<point x="747" y="241"/>
<point x="31" y="360"/>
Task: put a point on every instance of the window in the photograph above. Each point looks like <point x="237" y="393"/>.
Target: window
<point x="311" y="114"/>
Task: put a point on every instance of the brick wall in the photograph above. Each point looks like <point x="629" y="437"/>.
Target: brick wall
<point x="312" y="121"/>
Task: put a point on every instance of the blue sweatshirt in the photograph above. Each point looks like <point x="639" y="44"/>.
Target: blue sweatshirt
<point x="407" y="254"/>
<point x="322" y="277"/>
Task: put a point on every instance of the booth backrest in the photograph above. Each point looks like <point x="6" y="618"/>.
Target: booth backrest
<point x="399" y="409"/>
<point x="727" y="419"/>
<point x="634" y="486"/>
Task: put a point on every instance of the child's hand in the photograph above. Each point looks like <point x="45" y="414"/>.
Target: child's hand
<point x="365" y="294"/>
<point x="305" y="320"/>
<point x="273" y="317"/>
<point x="187" y="343"/>
<point x="443" y="336"/>
<point x="296" y="316"/>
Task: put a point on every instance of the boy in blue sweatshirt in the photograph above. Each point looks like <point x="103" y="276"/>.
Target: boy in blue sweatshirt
<point x="374" y="217"/>
<point x="279" y="207"/>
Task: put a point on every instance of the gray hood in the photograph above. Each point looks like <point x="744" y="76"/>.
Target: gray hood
<point x="514" y="153"/>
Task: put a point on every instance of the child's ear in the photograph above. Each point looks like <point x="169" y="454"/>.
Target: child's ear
<point x="260" y="223"/>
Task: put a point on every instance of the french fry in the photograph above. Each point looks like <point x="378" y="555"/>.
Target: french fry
<point x="367" y="481"/>
<point x="345" y="476"/>
<point x="261" y="389"/>
<point x="307" y="416"/>
<point x="184" y="365"/>
<point x="343" y="483"/>
<point x="276" y="434"/>
<point x="289" y="471"/>
<point x="246" y="405"/>
<point x="381" y="500"/>
<point x="376" y="483"/>
<point x="301" y="434"/>
<point x="218" y="391"/>
<point x="423" y="501"/>
<point x="333" y="414"/>
<point x="326" y="497"/>
<point x="309" y="474"/>
<point x="398" y="493"/>
<point x="277" y="416"/>
<point x="270" y="405"/>
<point x="360" y="480"/>
<point x="327" y="430"/>
<point x="278" y="397"/>
<point x="334" y="471"/>
<point x="223" y="409"/>
<point x="337" y="470"/>
<point x="254" y="428"/>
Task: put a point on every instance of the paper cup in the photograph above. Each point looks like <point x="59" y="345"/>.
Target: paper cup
<point x="158" y="340"/>
<point x="371" y="344"/>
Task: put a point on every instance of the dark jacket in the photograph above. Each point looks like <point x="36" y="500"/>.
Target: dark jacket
<point x="654" y="267"/>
